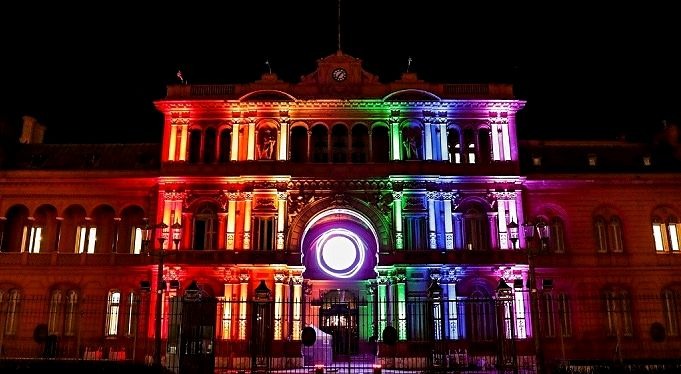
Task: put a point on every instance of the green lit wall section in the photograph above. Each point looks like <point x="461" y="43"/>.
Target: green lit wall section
<point x="401" y="309"/>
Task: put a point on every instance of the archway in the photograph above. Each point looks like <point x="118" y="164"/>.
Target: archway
<point x="339" y="244"/>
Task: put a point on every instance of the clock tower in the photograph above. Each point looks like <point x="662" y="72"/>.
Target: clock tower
<point x="340" y="75"/>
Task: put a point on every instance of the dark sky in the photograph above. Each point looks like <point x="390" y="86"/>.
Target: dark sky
<point x="90" y="74"/>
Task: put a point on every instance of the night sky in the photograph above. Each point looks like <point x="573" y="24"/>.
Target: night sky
<point x="91" y="74"/>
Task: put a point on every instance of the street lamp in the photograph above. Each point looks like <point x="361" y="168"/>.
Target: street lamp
<point x="543" y="231"/>
<point x="162" y="233"/>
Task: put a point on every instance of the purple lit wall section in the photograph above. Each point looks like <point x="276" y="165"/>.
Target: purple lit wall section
<point x="339" y="244"/>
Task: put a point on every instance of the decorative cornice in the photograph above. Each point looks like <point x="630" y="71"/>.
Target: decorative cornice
<point x="228" y="106"/>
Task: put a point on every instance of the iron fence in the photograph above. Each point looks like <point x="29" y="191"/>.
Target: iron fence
<point x="347" y="334"/>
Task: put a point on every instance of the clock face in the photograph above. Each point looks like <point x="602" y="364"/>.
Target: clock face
<point x="339" y="74"/>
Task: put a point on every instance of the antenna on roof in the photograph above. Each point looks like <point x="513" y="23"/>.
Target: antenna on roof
<point x="339" y="29"/>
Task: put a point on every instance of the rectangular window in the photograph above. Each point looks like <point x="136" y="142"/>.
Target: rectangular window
<point x="616" y="229"/>
<point x="70" y="314"/>
<point x="471" y="153"/>
<point x="12" y="313"/>
<point x="136" y="240"/>
<point x="34" y="239"/>
<point x="113" y="308"/>
<point x="619" y="314"/>
<point x="419" y="326"/>
<point x="657" y="236"/>
<point x="415" y="233"/>
<point x="557" y="239"/>
<point x="671" y="313"/>
<point x="263" y="233"/>
<point x="565" y="315"/>
<point x="601" y="236"/>
<point x="673" y="237"/>
<point x="549" y="320"/>
<point x="520" y="322"/>
<point x="437" y="320"/>
<point x="55" y="314"/>
<point x="86" y="238"/>
<point x="133" y="313"/>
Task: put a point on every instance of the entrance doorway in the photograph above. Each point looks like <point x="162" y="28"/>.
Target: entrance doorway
<point x="339" y="317"/>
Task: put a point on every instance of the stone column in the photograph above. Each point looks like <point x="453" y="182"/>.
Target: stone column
<point x="397" y="216"/>
<point x="243" y="305"/>
<point x="447" y="212"/>
<point x="248" y="203"/>
<point x="278" y="305"/>
<point x="282" y="198"/>
<point x="432" y="220"/>
<point x="297" y="314"/>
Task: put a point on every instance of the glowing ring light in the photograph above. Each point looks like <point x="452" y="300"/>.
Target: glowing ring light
<point x="340" y="253"/>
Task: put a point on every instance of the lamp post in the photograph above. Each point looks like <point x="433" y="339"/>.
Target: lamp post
<point x="162" y="234"/>
<point x="542" y="231"/>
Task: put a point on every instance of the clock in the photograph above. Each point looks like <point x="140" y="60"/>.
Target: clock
<point x="339" y="74"/>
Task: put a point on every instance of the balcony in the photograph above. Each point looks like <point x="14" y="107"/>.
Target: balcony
<point x="340" y="170"/>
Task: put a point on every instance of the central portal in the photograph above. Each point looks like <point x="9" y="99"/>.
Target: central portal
<point x="339" y="315"/>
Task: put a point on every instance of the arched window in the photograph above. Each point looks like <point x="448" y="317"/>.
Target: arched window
<point x="320" y="141"/>
<point x="380" y="144"/>
<point x="484" y="145"/>
<point x="671" y="299"/>
<point x="130" y="230"/>
<point x="454" y="145"/>
<point x="601" y="234"/>
<point x="132" y="314"/>
<point x="618" y="310"/>
<point x="480" y="317"/>
<point x="469" y="143"/>
<point x="209" y="146"/>
<point x="557" y="237"/>
<point x="70" y="313"/>
<point x="194" y="146"/>
<point x="112" y="313"/>
<point x="339" y="143"/>
<point x="616" y="234"/>
<point x="360" y="143"/>
<point x="608" y="232"/>
<point x="12" y="312"/>
<point x="475" y="229"/>
<point x="266" y="145"/>
<point x="299" y="144"/>
<point x="62" y="313"/>
<point x="411" y="142"/>
<point x="55" y="315"/>
<point x="666" y="231"/>
<point x="565" y="315"/>
<point x="225" y="149"/>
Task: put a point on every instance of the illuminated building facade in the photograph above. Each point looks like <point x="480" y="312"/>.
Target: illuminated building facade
<point x="345" y="203"/>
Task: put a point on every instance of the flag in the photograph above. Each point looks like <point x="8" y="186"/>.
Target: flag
<point x="408" y="63"/>
<point x="179" y="76"/>
<point x="267" y="62"/>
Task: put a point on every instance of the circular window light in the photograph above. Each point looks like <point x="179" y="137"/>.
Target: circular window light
<point x="340" y="253"/>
